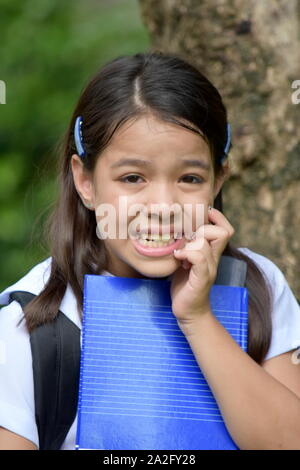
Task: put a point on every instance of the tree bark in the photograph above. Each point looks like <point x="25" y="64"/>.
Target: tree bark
<point x="250" y="51"/>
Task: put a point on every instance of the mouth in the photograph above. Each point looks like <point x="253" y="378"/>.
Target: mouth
<point x="156" y="245"/>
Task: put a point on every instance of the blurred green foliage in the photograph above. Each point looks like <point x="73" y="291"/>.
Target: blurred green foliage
<point x="48" y="51"/>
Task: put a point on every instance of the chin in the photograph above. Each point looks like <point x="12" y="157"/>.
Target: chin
<point x="158" y="269"/>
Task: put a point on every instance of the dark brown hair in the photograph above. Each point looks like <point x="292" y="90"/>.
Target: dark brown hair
<point x="163" y="85"/>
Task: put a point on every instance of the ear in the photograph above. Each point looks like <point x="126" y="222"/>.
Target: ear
<point x="221" y="178"/>
<point x="83" y="181"/>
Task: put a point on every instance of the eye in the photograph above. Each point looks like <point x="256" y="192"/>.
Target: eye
<point x="200" y="180"/>
<point x="124" y="178"/>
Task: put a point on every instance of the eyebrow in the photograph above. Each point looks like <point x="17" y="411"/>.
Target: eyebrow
<point x="146" y="163"/>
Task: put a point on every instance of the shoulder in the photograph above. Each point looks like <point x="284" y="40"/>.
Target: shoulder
<point x="285" y="308"/>
<point x="270" y="270"/>
<point x="11" y="312"/>
<point x="13" y="333"/>
<point x="279" y="286"/>
<point x="34" y="281"/>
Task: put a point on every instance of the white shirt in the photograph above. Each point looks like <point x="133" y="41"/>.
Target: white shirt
<point x="16" y="375"/>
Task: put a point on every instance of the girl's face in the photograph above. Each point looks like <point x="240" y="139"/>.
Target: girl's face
<point x="160" y="176"/>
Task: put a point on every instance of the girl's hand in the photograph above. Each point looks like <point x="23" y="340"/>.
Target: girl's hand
<point x="191" y="283"/>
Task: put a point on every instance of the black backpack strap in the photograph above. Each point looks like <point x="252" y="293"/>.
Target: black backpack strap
<point x="231" y="272"/>
<point x="56" y="363"/>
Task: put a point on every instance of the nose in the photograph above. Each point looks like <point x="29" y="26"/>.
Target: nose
<point x="161" y="193"/>
<point x="162" y="203"/>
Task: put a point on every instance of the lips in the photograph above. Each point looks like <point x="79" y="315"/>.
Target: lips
<point x="156" y="251"/>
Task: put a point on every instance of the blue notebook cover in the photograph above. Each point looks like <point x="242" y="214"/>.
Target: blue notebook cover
<point x="140" y="385"/>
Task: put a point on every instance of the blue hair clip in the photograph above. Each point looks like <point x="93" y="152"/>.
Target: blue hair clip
<point x="227" y="143"/>
<point x="78" y="137"/>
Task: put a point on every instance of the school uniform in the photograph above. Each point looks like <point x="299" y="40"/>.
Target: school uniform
<point x="17" y="411"/>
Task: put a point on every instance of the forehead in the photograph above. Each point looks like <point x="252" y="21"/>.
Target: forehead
<point x="150" y="138"/>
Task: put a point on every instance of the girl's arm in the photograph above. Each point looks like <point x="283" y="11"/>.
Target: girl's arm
<point x="259" y="411"/>
<point x="11" y="441"/>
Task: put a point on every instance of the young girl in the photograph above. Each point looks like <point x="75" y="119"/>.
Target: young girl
<point x="152" y="128"/>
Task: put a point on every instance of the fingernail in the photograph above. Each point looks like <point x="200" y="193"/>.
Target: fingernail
<point x="176" y="251"/>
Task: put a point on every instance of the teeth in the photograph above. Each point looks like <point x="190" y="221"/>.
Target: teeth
<point x="165" y="236"/>
<point x="156" y="237"/>
<point x="156" y="244"/>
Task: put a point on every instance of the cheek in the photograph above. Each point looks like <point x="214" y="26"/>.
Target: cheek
<point x="117" y="249"/>
<point x="198" y="206"/>
<point x="105" y="195"/>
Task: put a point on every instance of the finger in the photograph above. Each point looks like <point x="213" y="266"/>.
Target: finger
<point x="186" y="264"/>
<point x="217" y="218"/>
<point x="216" y="236"/>
<point x="199" y="245"/>
<point x="208" y="232"/>
<point x="197" y="258"/>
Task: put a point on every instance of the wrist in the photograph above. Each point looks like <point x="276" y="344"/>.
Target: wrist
<point x="192" y="326"/>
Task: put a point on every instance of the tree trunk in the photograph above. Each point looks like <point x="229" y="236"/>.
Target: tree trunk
<point x="250" y="51"/>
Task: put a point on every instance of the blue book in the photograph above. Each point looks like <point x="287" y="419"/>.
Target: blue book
<point x="140" y="385"/>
